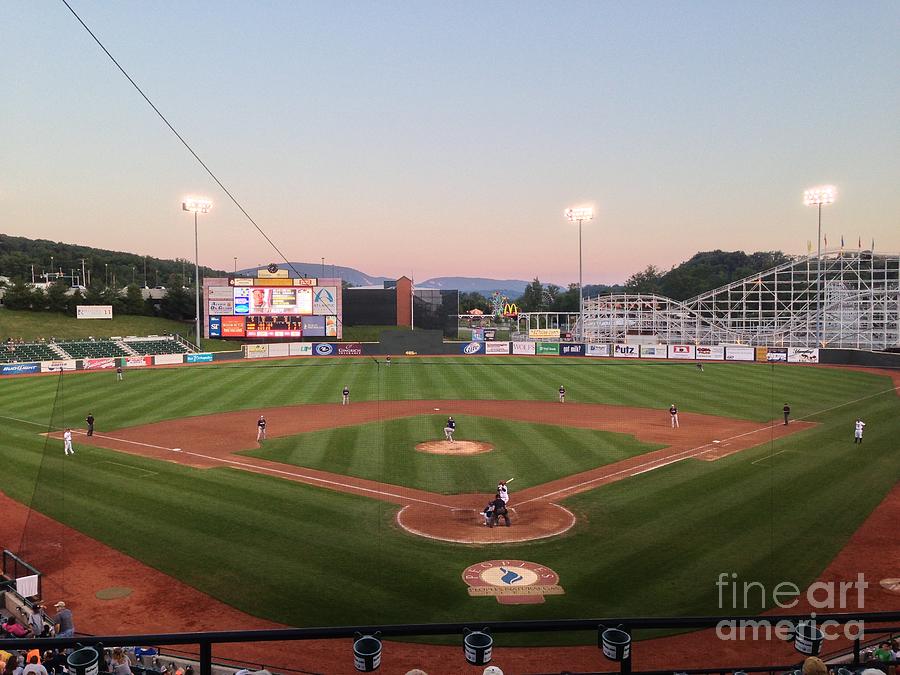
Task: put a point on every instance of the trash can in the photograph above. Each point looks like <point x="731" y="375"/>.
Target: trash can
<point x="84" y="661"/>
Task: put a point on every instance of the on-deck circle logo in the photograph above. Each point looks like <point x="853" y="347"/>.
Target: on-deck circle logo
<point x="512" y="582"/>
<point x="324" y="349"/>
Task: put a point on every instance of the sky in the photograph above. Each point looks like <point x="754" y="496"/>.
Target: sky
<point x="446" y="139"/>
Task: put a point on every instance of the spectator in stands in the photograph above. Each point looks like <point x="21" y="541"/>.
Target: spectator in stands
<point x="814" y="666"/>
<point x="120" y="664"/>
<point x="897" y="650"/>
<point x="492" y="670"/>
<point x="12" y="664"/>
<point x="64" y="623"/>
<point x="36" y="622"/>
<point x="54" y="661"/>
<point x="34" y="667"/>
<point x="14" y="628"/>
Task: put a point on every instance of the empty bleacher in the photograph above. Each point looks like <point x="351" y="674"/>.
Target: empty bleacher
<point x="160" y="346"/>
<point x="11" y="353"/>
<point x="91" y="349"/>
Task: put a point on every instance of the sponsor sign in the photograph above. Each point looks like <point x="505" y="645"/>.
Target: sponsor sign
<point x="512" y="582"/>
<point x="233" y="326"/>
<point x="306" y="282"/>
<point x="543" y="333"/>
<point x="324" y="300"/>
<point x="215" y="326"/>
<point x="349" y="349"/>
<point x="281" y="349"/>
<point x="682" y="352"/>
<point x="220" y="307"/>
<point x="269" y="325"/>
<point x="331" y="326"/>
<point x="761" y="353"/>
<point x="713" y="353"/>
<point x="93" y="312"/>
<point x="240" y="281"/>
<point x="323" y="349"/>
<point x="597" y="350"/>
<point x="198" y="358"/>
<point x="256" y="351"/>
<point x="803" y="355"/>
<point x="137" y="361"/>
<point x="490" y="334"/>
<point x="220" y="293"/>
<point x="546" y="348"/>
<point x="736" y="353"/>
<point x="496" y="348"/>
<point x="654" y="352"/>
<point x="300" y="349"/>
<point x="571" y="349"/>
<point x="474" y="347"/>
<point x="478" y="334"/>
<point x="98" y="364"/>
<point x="523" y="348"/>
<point x="510" y="310"/>
<point x="167" y="359"/>
<point x="313" y="326"/>
<point x="19" y="368"/>
<point x="625" y="351"/>
<point x="777" y="354"/>
<point x="56" y="366"/>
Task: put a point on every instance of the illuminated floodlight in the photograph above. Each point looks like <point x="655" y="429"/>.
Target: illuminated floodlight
<point x="818" y="196"/>
<point x="580" y="213"/>
<point x="196" y="204"/>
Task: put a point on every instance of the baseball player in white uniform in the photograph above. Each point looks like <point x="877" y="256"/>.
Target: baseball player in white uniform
<point x="673" y="412"/>
<point x="261" y="429"/>
<point x="562" y="394"/>
<point x="67" y="442"/>
<point x="503" y="491"/>
<point x="858" y="431"/>
<point x="345" y="395"/>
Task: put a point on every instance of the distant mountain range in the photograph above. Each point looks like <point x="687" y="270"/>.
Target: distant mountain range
<point x="510" y="287"/>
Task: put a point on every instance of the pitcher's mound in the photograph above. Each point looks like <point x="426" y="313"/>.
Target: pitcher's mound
<point x="455" y="448"/>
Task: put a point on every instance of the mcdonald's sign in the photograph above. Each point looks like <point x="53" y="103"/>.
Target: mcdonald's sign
<point x="510" y="310"/>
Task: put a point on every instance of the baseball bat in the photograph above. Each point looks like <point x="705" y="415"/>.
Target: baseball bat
<point x="510" y="480"/>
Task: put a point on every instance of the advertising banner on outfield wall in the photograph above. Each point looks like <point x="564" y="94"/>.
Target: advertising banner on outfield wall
<point x="777" y="354"/>
<point x="546" y="348"/>
<point x="681" y="351"/>
<point x="96" y="364"/>
<point x="349" y="349"/>
<point x="56" y="366"/>
<point x="280" y="349"/>
<point x="474" y="347"/>
<point x="215" y="326"/>
<point x="571" y="349"/>
<point x="323" y="349"/>
<point x="803" y="355"/>
<point x="653" y="352"/>
<point x="713" y="353"/>
<point x="523" y="348"/>
<point x="597" y="350"/>
<point x="137" y="361"/>
<point x="168" y="359"/>
<point x="313" y="326"/>
<point x="761" y="353"/>
<point x="543" y="333"/>
<point x="737" y="353"/>
<point x="496" y="348"/>
<point x="19" y="368"/>
<point x="300" y="349"/>
<point x="625" y="351"/>
<point x="256" y="351"/>
<point x="198" y="358"/>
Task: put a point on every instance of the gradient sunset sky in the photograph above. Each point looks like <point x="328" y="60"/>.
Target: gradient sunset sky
<point x="440" y="139"/>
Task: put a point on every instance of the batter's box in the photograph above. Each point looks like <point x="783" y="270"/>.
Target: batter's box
<point x="464" y="515"/>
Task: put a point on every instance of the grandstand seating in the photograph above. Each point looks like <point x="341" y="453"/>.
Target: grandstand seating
<point x="10" y="353"/>
<point x="161" y="346"/>
<point x="92" y="349"/>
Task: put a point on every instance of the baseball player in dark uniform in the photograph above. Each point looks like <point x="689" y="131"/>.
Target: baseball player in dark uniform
<point x="119" y="374"/>
<point x="449" y="428"/>
<point x="562" y="394"/>
<point x="787" y="413"/>
<point x="346" y="395"/>
<point x="90" y="422"/>
<point x="673" y="413"/>
<point x="500" y="511"/>
<point x="261" y="428"/>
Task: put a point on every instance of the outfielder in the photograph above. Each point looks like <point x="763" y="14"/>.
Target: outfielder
<point x="673" y="412"/>
<point x="449" y="428"/>
<point x="858" y="431"/>
<point x="346" y="395"/>
<point x="67" y="442"/>
<point x="261" y="429"/>
<point x="119" y="374"/>
<point x="562" y="394"/>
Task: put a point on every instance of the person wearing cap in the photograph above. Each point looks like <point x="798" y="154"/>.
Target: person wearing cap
<point x="65" y="624"/>
<point x="814" y="666"/>
<point x="492" y="670"/>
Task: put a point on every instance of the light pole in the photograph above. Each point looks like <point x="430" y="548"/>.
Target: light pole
<point x="819" y="196"/>
<point x="323" y="267"/>
<point x="106" y="274"/>
<point x="196" y="205"/>
<point x="579" y="215"/>
<point x="235" y="265"/>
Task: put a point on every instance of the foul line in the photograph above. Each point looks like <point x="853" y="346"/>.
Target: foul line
<point x="762" y="459"/>
<point x="16" y="419"/>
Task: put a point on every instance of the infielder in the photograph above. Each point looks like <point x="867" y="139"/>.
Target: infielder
<point x="67" y="442"/>
<point x="858" y="431"/>
<point x="673" y="413"/>
<point x="562" y="394"/>
<point x="449" y="428"/>
<point x="260" y="429"/>
<point x="346" y="396"/>
<point x="787" y="413"/>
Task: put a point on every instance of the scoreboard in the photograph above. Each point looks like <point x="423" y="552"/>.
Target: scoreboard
<point x="262" y="307"/>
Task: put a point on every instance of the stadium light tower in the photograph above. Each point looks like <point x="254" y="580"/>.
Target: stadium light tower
<point x="818" y="197"/>
<point x="196" y="205"/>
<point x="578" y="215"/>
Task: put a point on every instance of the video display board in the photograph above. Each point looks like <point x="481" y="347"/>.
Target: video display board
<point x="259" y="301"/>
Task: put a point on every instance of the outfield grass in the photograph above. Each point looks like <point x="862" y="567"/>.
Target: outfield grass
<point x="385" y="451"/>
<point x="653" y="544"/>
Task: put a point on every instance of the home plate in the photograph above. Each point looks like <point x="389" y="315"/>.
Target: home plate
<point x="176" y="449"/>
<point x="437" y="408"/>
